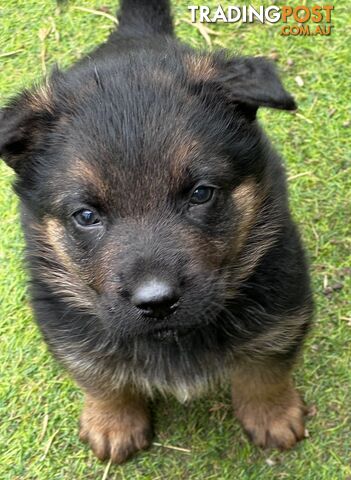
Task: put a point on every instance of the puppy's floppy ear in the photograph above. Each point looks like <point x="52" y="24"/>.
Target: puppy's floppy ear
<point x="253" y="82"/>
<point x="22" y="123"/>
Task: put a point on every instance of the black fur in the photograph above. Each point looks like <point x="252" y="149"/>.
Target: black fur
<point x="125" y="111"/>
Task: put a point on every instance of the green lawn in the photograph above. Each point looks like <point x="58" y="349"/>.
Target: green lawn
<point x="39" y="404"/>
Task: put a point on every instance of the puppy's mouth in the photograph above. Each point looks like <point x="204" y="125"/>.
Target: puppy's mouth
<point x="171" y="333"/>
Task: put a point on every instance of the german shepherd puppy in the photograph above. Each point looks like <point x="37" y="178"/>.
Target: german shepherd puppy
<point x="161" y="250"/>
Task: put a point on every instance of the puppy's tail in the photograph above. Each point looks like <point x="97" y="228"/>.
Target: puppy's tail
<point x="145" y="18"/>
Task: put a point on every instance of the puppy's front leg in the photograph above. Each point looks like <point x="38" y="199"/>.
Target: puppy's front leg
<point x="268" y="406"/>
<point x="116" y="427"/>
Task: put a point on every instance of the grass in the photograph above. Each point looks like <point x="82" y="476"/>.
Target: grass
<point x="39" y="404"/>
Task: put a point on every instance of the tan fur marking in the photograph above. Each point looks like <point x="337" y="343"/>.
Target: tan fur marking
<point x="278" y="339"/>
<point x="115" y="428"/>
<point x="200" y="68"/>
<point x="55" y="232"/>
<point x="254" y="236"/>
<point x="41" y="98"/>
<point x="181" y="153"/>
<point x="268" y="406"/>
<point x="63" y="275"/>
<point x="87" y="174"/>
<point x="247" y="199"/>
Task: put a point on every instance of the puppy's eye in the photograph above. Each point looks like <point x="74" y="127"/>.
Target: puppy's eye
<point x="201" y="194"/>
<point x="86" y="218"/>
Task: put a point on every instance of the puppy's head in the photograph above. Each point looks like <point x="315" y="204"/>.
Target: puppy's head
<point x="145" y="185"/>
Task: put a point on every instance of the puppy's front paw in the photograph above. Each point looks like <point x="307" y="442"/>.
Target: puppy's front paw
<point x="115" y="430"/>
<point x="274" y="424"/>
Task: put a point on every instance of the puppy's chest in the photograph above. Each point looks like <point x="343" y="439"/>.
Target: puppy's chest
<point x="181" y="374"/>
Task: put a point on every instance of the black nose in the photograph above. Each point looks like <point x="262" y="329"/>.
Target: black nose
<point x="155" y="298"/>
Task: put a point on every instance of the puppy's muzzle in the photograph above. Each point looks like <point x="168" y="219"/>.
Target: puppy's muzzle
<point x="155" y="297"/>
